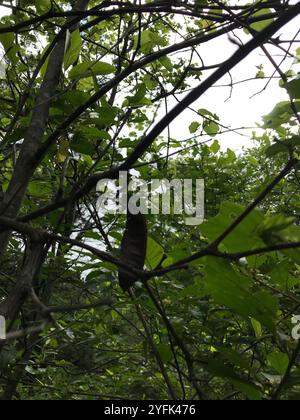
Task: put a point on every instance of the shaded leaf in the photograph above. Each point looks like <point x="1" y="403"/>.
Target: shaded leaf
<point x="155" y="254"/>
<point x="279" y="361"/>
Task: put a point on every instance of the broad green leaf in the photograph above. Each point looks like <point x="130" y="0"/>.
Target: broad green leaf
<point x="10" y="47"/>
<point x="281" y="114"/>
<point x="106" y="116"/>
<point x="260" y="74"/>
<point x="218" y="369"/>
<point x="63" y="150"/>
<point x="282" y="273"/>
<point x="256" y="327"/>
<point x="85" y="139"/>
<point x="281" y="234"/>
<point x="167" y="262"/>
<point x="42" y="6"/>
<point x="155" y="253"/>
<point x="205" y="113"/>
<point x="139" y="99"/>
<point x="91" y="68"/>
<point x="277" y="148"/>
<point x="251" y="390"/>
<point x="247" y="229"/>
<point x="211" y="128"/>
<point x="231" y="156"/>
<point x="272" y="224"/>
<point x="253" y="160"/>
<point x="165" y="352"/>
<point x="166" y="62"/>
<point x="40" y="189"/>
<point x="74" y="49"/>
<point x="283" y="146"/>
<point x="232" y="356"/>
<point x="149" y="40"/>
<point x="82" y="144"/>
<point x="279" y="361"/>
<point x="259" y="26"/>
<point x="297" y="55"/>
<point x="233" y="290"/>
<point x="215" y="147"/>
<point x="293" y="88"/>
<point x="194" y="127"/>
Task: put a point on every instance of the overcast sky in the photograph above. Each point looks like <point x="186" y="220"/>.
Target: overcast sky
<point x="242" y="109"/>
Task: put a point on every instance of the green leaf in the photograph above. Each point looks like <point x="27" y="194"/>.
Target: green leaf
<point x="247" y="229"/>
<point x="232" y="356"/>
<point x="210" y="125"/>
<point x="81" y="144"/>
<point x="281" y="114"/>
<point x="205" y="113"/>
<point x="139" y="99"/>
<point x="194" y="127"/>
<point x="272" y="224"/>
<point x="149" y="40"/>
<point x="155" y="253"/>
<point x="253" y="160"/>
<point x="91" y="68"/>
<point x="232" y="289"/>
<point x="293" y="88"/>
<point x="281" y="274"/>
<point x="231" y="156"/>
<point x="40" y="189"/>
<point x="259" y="26"/>
<point x="107" y="116"/>
<point x="279" y="361"/>
<point x="211" y="128"/>
<point x="251" y="390"/>
<point x="10" y="48"/>
<point x="277" y="148"/>
<point x="165" y="352"/>
<point x="283" y="146"/>
<point x="260" y="74"/>
<point x="220" y="370"/>
<point x="166" y="62"/>
<point x="74" y="49"/>
<point x="84" y="140"/>
<point x="256" y="327"/>
<point x="215" y="147"/>
<point x="279" y="229"/>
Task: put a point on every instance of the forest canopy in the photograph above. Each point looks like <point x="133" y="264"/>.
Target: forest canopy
<point x="102" y="304"/>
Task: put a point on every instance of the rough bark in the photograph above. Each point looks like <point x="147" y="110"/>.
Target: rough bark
<point x="14" y="302"/>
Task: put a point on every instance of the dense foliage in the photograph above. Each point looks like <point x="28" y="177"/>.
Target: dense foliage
<point x="89" y="89"/>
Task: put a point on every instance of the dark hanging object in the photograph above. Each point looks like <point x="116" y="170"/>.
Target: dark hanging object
<point x="133" y="248"/>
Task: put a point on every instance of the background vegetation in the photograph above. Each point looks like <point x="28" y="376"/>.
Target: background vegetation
<point x="89" y="88"/>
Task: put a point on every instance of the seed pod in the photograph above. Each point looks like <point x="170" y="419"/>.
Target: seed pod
<point x="133" y="248"/>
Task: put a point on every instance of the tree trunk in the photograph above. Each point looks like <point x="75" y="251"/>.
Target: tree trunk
<point x="27" y="162"/>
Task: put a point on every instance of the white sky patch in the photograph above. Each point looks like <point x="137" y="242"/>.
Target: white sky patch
<point x="4" y="11"/>
<point x="244" y="106"/>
